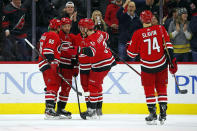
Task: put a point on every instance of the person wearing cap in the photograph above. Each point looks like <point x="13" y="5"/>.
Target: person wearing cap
<point x="70" y="12"/>
<point x="181" y="35"/>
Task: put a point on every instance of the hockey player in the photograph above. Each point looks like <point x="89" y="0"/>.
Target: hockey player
<point x="85" y="66"/>
<point x="84" y="60"/>
<point x="68" y="66"/>
<point x="101" y="60"/>
<point x="49" y="49"/>
<point x="148" y="42"/>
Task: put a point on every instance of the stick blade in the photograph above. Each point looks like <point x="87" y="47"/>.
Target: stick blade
<point x="183" y="91"/>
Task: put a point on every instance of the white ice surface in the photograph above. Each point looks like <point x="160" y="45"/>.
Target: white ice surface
<point x="106" y="123"/>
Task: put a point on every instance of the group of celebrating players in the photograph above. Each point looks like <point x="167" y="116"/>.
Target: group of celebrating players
<point x="88" y="53"/>
<point x="65" y="53"/>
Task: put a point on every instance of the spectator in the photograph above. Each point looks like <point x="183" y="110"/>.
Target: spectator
<point x="112" y="23"/>
<point x="80" y="6"/>
<point x="180" y="34"/>
<point x="155" y="20"/>
<point x="45" y="11"/>
<point x="129" y="22"/>
<point x="170" y="19"/>
<point x="70" y="12"/>
<point x="1" y="31"/>
<point x="182" y="4"/>
<point x="99" y="5"/>
<point x="149" y="5"/>
<point x="193" y="27"/>
<point x="98" y="21"/>
<point x="13" y="24"/>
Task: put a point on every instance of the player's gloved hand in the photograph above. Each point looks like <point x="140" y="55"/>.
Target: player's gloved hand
<point x="75" y="72"/>
<point x="174" y="69"/>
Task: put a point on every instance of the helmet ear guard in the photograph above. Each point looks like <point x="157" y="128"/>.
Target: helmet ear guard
<point x="146" y="16"/>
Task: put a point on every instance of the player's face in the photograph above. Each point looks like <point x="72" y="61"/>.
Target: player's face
<point x="82" y="30"/>
<point x="66" y="28"/>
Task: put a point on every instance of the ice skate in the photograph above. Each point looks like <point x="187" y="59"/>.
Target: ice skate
<point x="162" y="116"/>
<point x="89" y="114"/>
<point x="63" y="114"/>
<point x="99" y="112"/>
<point x="50" y="114"/>
<point x="152" y="118"/>
<point x="99" y="109"/>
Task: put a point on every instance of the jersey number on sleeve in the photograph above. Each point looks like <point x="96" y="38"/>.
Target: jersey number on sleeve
<point x="152" y="45"/>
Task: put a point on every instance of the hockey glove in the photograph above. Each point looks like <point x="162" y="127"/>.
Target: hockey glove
<point x="173" y="69"/>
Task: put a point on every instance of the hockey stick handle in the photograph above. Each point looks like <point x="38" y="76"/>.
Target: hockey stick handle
<point x="125" y="62"/>
<point x="171" y="64"/>
<point x="77" y="95"/>
<point x="33" y="47"/>
<point x="60" y="75"/>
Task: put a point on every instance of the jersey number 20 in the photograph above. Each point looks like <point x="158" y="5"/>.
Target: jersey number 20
<point x="152" y="45"/>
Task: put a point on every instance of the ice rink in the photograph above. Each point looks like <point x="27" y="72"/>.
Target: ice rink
<point x="108" y="122"/>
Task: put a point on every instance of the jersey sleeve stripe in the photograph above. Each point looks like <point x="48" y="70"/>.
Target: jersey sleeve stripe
<point x="132" y="55"/>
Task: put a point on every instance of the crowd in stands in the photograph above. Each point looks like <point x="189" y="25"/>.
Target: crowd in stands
<point x="120" y="18"/>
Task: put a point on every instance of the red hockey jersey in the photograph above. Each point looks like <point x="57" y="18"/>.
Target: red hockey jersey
<point x="50" y="49"/>
<point x="102" y="58"/>
<point x="148" y="43"/>
<point x="65" y="57"/>
<point x="84" y="60"/>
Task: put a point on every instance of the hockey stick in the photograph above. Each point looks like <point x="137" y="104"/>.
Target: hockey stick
<point x="172" y="66"/>
<point x="125" y="62"/>
<point x="60" y="75"/>
<point x="77" y="96"/>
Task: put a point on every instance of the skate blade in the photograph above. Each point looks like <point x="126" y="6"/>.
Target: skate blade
<point x="154" y="122"/>
<point x="162" y="122"/>
<point x="65" y="117"/>
<point x="99" y="117"/>
<point x="48" y="117"/>
<point x="91" y="118"/>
